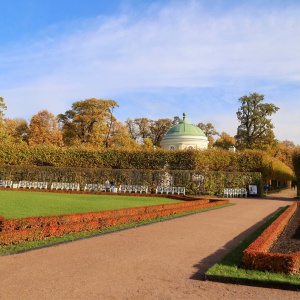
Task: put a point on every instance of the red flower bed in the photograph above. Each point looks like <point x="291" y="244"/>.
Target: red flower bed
<point x="257" y="257"/>
<point x="15" y="231"/>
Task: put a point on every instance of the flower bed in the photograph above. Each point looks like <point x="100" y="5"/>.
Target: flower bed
<point x="257" y="257"/>
<point x="15" y="231"/>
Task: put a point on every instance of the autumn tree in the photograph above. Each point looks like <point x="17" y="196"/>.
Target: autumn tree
<point x="43" y="130"/>
<point x="158" y="130"/>
<point x="110" y="123"/>
<point x="2" y="109"/>
<point x="16" y="129"/>
<point x="225" y="141"/>
<point x="132" y="129"/>
<point x="209" y="130"/>
<point x="141" y="129"/>
<point x="147" y="144"/>
<point x="89" y="121"/>
<point x="120" y="138"/>
<point x="143" y="125"/>
<point x="256" y="129"/>
<point x="176" y="120"/>
<point x="284" y="151"/>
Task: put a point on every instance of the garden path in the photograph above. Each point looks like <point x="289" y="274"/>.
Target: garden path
<point x="166" y="260"/>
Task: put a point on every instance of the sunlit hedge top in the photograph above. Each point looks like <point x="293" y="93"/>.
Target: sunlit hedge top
<point x="208" y="160"/>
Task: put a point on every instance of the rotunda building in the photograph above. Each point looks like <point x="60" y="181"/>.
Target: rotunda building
<point x="184" y="136"/>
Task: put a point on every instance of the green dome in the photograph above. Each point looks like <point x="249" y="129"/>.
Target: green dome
<point x="185" y="128"/>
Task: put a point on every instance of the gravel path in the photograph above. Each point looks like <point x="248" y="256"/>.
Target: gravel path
<point x="166" y="260"/>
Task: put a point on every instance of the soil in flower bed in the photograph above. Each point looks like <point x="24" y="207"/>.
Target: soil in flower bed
<point x="289" y="240"/>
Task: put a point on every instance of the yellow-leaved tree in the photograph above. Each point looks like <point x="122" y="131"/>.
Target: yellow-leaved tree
<point x="225" y="141"/>
<point x="43" y="130"/>
<point x="16" y="130"/>
<point x="89" y="121"/>
<point x="120" y="138"/>
<point x="2" y="108"/>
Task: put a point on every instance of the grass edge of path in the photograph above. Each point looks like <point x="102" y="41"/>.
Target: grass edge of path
<point x="229" y="270"/>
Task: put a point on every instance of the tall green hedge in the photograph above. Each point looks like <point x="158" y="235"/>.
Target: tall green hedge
<point x="142" y="166"/>
<point x="195" y="182"/>
<point x="209" y="160"/>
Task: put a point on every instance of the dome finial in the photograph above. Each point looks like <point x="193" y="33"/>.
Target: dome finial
<point x="184" y="116"/>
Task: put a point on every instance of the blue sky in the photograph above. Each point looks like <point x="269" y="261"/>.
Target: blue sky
<point x="157" y="59"/>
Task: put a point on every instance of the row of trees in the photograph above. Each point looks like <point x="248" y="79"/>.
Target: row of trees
<point x="91" y="123"/>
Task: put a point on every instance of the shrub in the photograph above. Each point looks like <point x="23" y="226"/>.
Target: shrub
<point x="257" y="257"/>
<point x="15" y="231"/>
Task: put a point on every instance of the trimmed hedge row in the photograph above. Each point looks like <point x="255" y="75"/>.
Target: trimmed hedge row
<point x="195" y="182"/>
<point x="257" y="257"/>
<point x="202" y="161"/>
<point x="15" y="231"/>
<point x="219" y="169"/>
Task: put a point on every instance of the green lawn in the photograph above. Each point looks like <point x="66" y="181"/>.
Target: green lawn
<point x="20" y="204"/>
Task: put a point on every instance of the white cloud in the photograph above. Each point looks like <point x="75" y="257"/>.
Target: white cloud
<point x="175" y="46"/>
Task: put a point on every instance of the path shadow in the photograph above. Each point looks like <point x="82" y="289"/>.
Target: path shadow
<point x="287" y="195"/>
<point x="207" y="262"/>
<point x="283" y="195"/>
<point x="280" y="198"/>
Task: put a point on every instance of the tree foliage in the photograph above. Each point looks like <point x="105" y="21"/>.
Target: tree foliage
<point x="176" y="120"/>
<point x="284" y="151"/>
<point x="43" y="130"/>
<point x="16" y="129"/>
<point x="256" y="129"/>
<point x="132" y="129"/>
<point x="89" y="121"/>
<point x="225" y="141"/>
<point x="119" y="138"/>
<point x="209" y="130"/>
<point x="143" y="128"/>
<point x="2" y="109"/>
<point x="147" y="144"/>
<point x="158" y="130"/>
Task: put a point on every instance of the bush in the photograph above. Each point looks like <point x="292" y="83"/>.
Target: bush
<point x="257" y="257"/>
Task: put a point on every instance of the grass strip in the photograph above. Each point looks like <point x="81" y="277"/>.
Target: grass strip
<point x="229" y="269"/>
<point x="19" y="248"/>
